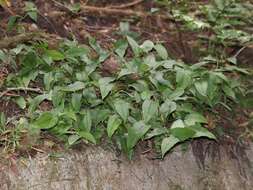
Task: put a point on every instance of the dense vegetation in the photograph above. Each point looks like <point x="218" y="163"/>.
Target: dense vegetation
<point x="144" y="95"/>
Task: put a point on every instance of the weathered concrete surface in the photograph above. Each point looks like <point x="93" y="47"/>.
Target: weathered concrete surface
<point x="97" y="169"/>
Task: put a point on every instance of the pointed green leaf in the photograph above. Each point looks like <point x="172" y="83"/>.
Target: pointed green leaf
<point x="156" y="132"/>
<point x="193" y="118"/>
<point x="122" y="108"/>
<point x="177" y="124"/>
<point x="201" y="87"/>
<point x="202" y="132"/>
<point x="183" y="133"/>
<point x="168" y="107"/>
<point x="161" y="51"/>
<point x="87" y="136"/>
<point x="121" y="47"/>
<point x="76" y="101"/>
<point x="86" y="122"/>
<point x="168" y="143"/>
<point x="113" y="124"/>
<point x="183" y="79"/>
<point x="76" y="86"/>
<point x="135" y="133"/>
<point x="2" y="119"/>
<point x="134" y="45"/>
<point x="147" y="46"/>
<point x="149" y="110"/>
<point x="105" y="86"/>
<point x="46" y="120"/>
<point x="21" y="102"/>
<point x="55" y="55"/>
<point x="72" y="139"/>
<point x="36" y="101"/>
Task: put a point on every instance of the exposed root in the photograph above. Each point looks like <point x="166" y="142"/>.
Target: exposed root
<point x="127" y="5"/>
<point x="13" y="41"/>
<point x="126" y="12"/>
<point x="36" y="90"/>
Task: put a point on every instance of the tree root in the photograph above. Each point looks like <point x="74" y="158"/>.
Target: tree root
<point x="126" y="12"/>
<point x="6" y="92"/>
<point x="127" y="5"/>
<point x="10" y="42"/>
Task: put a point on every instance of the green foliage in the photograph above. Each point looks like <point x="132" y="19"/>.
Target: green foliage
<point x="218" y="23"/>
<point x="166" y="101"/>
<point x="31" y="10"/>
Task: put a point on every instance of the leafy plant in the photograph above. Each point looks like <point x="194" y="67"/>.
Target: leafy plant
<point x="151" y="96"/>
<point x="31" y="10"/>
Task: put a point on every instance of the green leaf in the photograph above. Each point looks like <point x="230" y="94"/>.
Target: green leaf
<point x="150" y="60"/>
<point x="180" y="131"/>
<point x="183" y="79"/>
<point x="125" y="72"/>
<point x="100" y="51"/>
<point x="178" y="124"/>
<point x="87" y="136"/>
<point x="99" y="115"/>
<point x="122" y="108"/>
<point x="105" y="86"/>
<point x="168" y="143"/>
<point x="156" y="132"/>
<point x="229" y="91"/>
<point x="2" y="119"/>
<point x="193" y="118"/>
<point x="135" y="133"/>
<point x="147" y="46"/>
<point x="149" y="110"/>
<point x="121" y="47"/>
<point x="124" y="27"/>
<point x="202" y="132"/>
<point x="76" y="86"/>
<point x="76" y="101"/>
<point x="12" y="22"/>
<point x="21" y="102"/>
<point x="176" y="94"/>
<point x="72" y="139"/>
<point x="33" y="15"/>
<point x="48" y="80"/>
<point x="31" y="10"/>
<point x="161" y="51"/>
<point x="134" y="45"/>
<point x="201" y="87"/>
<point x="183" y="133"/>
<point x="220" y="4"/>
<point x="168" y="64"/>
<point x="168" y="107"/>
<point x="232" y="60"/>
<point x="112" y="125"/>
<point x="46" y="120"/>
<point x="36" y="101"/>
<point x="55" y="55"/>
<point x="76" y="52"/>
<point x="86" y="122"/>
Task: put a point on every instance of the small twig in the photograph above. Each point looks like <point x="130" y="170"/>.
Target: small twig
<point x="240" y="51"/>
<point x="37" y="90"/>
<point x="126" y="12"/>
<point x="127" y="5"/>
<point x="146" y="151"/>
<point x="38" y="150"/>
<point x="11" y="94"/>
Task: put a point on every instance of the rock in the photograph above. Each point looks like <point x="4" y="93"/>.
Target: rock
<point x="98" y="169"/>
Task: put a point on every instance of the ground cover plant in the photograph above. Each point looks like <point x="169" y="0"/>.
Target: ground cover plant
<point x="132" y="91"/>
